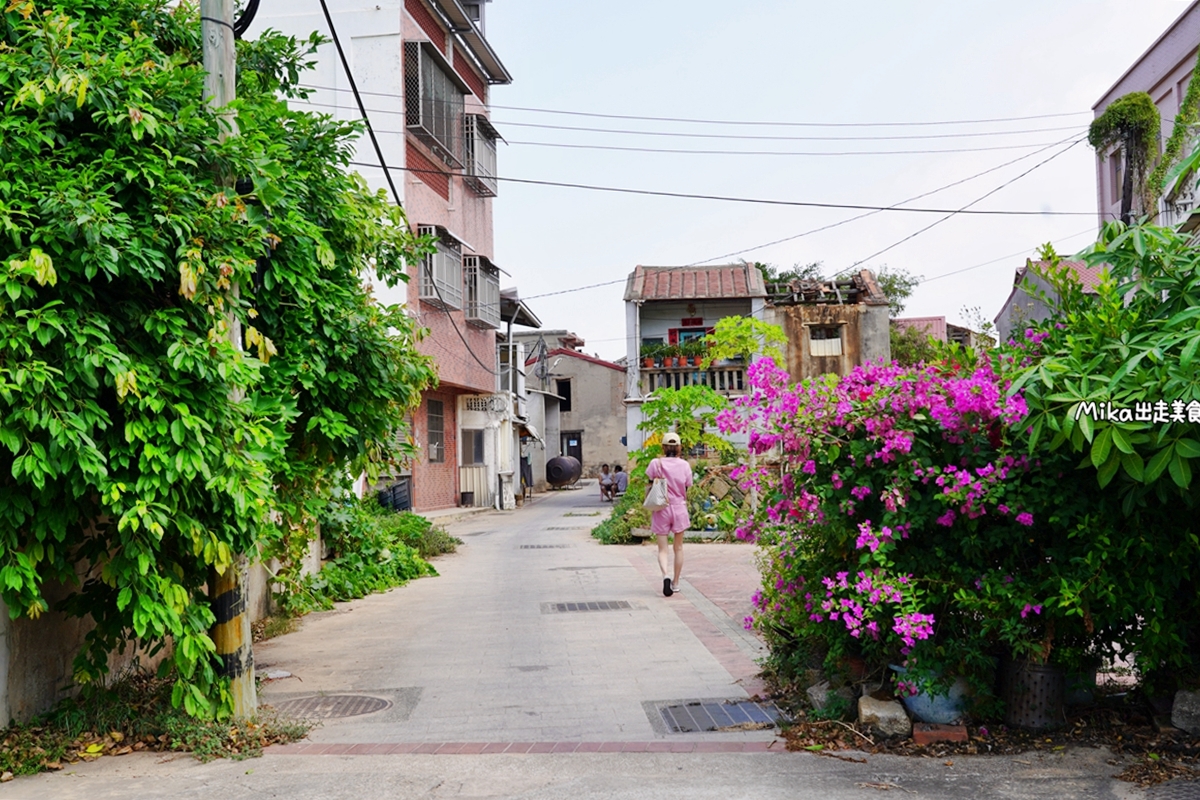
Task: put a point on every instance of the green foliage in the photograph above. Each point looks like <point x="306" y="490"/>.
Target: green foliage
<point x="1133" y="123"/>
<point x="627" y="512"/>
<point x="690" y="412"/>
<point x="133" y="713"/>
<point x="744" y="338"/>
<point x="371" y="553"/>
<point x="139" y="447"/>
<point x="1169" y="173"/>
<point x="897" y="286"/>
<point x="911" y="345"/>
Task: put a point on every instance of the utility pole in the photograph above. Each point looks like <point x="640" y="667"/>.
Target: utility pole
<point x="231" y="632"/>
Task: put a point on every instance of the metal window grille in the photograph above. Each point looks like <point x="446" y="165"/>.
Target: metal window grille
<point x="479" y="145"/>
<point x="825" y="341"/>
<point x="441" y="282"/>
<point x="482" y="283"/>
<point x="436" y="422"/>
<point x="433" y="102"/>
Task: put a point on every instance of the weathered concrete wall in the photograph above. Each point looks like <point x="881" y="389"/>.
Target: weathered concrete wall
<point x="864" y="337"/>
<point x="597" y="409"/>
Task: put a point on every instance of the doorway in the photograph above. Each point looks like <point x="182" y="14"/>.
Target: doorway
<point x="572" y="445"/>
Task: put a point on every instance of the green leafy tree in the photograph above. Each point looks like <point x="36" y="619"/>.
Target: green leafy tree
<point x="744" y="338"/>
<point x="690" y="412"/>
<point x="139" y="448"/>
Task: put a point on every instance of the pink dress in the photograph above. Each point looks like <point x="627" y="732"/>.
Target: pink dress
<point x="673" y="518"/>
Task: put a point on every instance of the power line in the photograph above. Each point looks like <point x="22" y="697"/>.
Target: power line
<point x="753" y="137"/>
<point x="805" y="153"/>
<point x="751" y="200"/>
<point x="745" y="123"/>
<point x="1090" y="229"/>
<point x="873" y="213"/>
<point x="967" y="206"/>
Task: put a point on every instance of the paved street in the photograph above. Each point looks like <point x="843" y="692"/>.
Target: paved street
<point x="495" y="687"/>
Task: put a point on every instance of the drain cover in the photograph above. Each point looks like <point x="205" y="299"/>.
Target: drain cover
<point x="601" y="605"/>
<point x="571" y="528"/>
<point x="696" y="716"/>
<point x="333" y="706"/>
<point x="545" y="546"/>
<point x="1174" y="790"/>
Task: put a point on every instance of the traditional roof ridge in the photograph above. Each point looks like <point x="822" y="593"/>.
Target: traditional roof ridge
<point x="563" y="351"/>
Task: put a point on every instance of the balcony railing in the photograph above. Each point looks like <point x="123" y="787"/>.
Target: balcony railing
<point x="726" y="379"/>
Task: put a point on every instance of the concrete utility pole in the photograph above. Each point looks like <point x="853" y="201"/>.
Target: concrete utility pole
<point x="231" y="633"/>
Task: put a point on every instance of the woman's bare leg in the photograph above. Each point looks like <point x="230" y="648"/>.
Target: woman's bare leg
<point x="664" y="558"/>
<point x="678" y="555"/>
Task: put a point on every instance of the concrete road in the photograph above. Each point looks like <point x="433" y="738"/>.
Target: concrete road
<point x="490" y="681"/>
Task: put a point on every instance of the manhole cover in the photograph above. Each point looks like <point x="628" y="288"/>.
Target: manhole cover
<point x="333" y="706"/>
<point x="695" y="716"/>
<point x="545" y="546"/>
<point x="1175" y="790"/>
<point x="600" y="605"/>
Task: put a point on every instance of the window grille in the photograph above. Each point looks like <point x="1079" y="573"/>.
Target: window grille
<point x="433" y="101"/>
<point x="485" y="402"/>
<point x="441" y="282"/>
<point x="482" y="283"/>
<point x="825" y="341"/>
<point x="479" y="145"/>
<point x="436" y="422"/>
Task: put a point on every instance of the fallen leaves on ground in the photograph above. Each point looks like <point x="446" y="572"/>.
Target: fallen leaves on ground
<point x="1157" y="755"/>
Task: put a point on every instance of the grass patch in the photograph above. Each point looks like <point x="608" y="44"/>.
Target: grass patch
<point x="134" y="714"/>
<point x="627" y="514"/>
<point x="270" y="627"/>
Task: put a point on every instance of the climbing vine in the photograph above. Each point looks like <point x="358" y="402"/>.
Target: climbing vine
<point x="1131" y="122"/>
<point x="139" y="447"/>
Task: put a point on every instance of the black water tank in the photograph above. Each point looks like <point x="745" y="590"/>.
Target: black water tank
<point x="563" y="471"/>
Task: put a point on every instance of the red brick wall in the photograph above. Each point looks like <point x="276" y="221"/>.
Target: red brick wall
<point x="462" y="65"/>
<point x="436" y="485"/>
<point x="428" y="23"/>
<point x="426" y="171"/>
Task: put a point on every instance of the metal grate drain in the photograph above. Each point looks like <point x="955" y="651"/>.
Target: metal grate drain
<point x="545" y="546"/>
<point x="601" y="605"/>
<point x="1174" y="790"/>
<point x="570" y="528"/>
<point x="333" y="706"/>
<point x="696" y="716"/>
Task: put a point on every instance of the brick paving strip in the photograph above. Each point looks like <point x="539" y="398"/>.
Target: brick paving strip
<point x="522" y="748"/>
<point x="729" y="653"/>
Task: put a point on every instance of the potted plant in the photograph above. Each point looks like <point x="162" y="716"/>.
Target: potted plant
<point x="670" y="354"/>
<point x="650" y="353"/>
<point x="694" y="350"/>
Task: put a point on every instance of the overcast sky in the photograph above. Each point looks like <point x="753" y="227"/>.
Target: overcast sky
<point x="855" y="61"/>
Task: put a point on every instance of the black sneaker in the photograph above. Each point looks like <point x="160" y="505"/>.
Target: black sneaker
<point x="667" y="590"/>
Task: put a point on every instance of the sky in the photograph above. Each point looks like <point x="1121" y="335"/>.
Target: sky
<point x="853" y="68"/>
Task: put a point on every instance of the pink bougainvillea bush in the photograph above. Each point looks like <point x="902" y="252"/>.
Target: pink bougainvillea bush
<point x="900" y="524"/>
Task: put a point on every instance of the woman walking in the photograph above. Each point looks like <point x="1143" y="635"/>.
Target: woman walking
<point x="672" y="520"/>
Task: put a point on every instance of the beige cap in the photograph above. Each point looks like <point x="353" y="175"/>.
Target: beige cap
<point x="671" y="438"/>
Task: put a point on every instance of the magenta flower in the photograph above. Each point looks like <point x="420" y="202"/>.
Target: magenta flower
<point x="1025" y="518"/>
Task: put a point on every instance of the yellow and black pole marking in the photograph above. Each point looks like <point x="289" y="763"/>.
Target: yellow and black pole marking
<point x="231" y="633"/>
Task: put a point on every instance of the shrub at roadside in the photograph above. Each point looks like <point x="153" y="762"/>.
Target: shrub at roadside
<point x="133" y="714"/>
<point x="370" y="553"/>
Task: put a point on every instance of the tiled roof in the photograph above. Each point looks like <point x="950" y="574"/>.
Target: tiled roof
<point x="1088" y="276"/>
<point x="934" y="326"/>
<point x="695" y="283"/>
<point x="562" y="351"/>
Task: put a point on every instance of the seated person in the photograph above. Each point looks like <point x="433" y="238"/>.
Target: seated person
<point x="620" y="480"/>
<point x="606" y="483"/>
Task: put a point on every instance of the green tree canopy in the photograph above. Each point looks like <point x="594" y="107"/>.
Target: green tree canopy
<point x="139" y="448"/>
